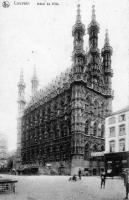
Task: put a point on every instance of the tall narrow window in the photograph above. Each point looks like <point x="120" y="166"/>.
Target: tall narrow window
<point x="86" y="153"/>
<point x="87" y="127"/>
<point x="95" y="129"/>
<point x="87" y="105"/>
<point x="96" y="105"/>
<point x="112" y="146"/>
<point x="112" y="131"/>
<point x="102" y="131"/>
<point x="122" y="118"/>
<point x="122" y="145"/>
<point x="95" y="148"/>
<point x="122" y="129"/>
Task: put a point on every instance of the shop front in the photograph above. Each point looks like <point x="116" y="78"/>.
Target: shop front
<point x="115" y="163"/>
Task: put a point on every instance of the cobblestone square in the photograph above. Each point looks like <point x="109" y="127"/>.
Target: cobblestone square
<point x="59" y="188"/>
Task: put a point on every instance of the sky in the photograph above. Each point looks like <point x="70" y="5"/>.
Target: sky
<point x="47" y="31"/>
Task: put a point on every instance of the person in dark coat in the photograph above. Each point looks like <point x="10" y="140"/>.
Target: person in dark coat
<point x="103" y="178"/>
<point x="79" y="174"/>
<point x="126" y="183"/>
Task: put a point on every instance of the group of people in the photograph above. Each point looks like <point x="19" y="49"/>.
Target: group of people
<point x="103" y="180"/>
<point x="74" y="177"/>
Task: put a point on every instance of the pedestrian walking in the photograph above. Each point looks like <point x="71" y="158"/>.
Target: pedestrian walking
<point x="126" y="183"/>
<point x="103" y="179"/>
<point x="79" y="174"/>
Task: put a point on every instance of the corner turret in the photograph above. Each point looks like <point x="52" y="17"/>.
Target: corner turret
<point x="21" y="106"/>
<point x="21" y="93"/>
<point x="106" y="55"/>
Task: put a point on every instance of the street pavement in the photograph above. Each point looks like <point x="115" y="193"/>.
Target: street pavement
<point x="59" y="188"/>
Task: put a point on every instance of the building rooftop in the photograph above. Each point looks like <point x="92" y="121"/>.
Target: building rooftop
<point x="120" y="111"/>
<point x="55" y="87"/>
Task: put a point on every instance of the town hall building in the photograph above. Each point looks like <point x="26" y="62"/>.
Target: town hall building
<point x="62" y="125"/>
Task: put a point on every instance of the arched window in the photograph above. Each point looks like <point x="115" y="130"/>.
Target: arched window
<point x="96" y="105"/>
<point x="112" y="146"/>
<point x="87" y="104"/>
<point x="102" y="109"/>
<point x="95" y="129"/>
<point x="99" y="109"/>
<point x="61" y="152"/>
<point x="102" y="131"/>
<point x="87" y="127"/>
<point x="86" y="152"/>
<point x="95" y="148"/>
<point x="102" y="148"/>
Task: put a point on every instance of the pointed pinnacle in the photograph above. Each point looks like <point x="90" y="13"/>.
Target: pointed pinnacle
<point x="34" y="78"/>
<point x="106" y="38"/>
<point x="93" y="13"/>
<point x="78" y="18"/>
<point x="21" y="76"/>
<point x="21" y="81"/>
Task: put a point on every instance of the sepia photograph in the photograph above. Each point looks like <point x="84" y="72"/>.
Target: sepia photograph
<point x="64" y="99"/>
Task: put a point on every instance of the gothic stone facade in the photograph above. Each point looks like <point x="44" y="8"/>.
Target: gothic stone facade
<point x="63" y="124"/>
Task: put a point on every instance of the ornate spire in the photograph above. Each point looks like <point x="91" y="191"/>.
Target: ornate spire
<point x="93" y="13"/>
<point x="93" y="24"/>
<point x="21" y="81"/>
<point x="93" y="30"/>
<point x="78" y="25"/>
<point x="78" y="18"/>
<point x="107" y="47"/>
<point x="106" y="38"/>
<point x="21" y="93"/>
<point x="21" y="106"/>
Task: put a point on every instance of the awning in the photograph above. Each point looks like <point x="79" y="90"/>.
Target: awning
<point x="48" y="165"/>
<point x="97" y="154"/>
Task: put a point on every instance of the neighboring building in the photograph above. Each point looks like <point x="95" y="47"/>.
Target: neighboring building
<point x="64" y="124"/>
<point x="3" y="151"/>
<point x="117" y="140"/>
